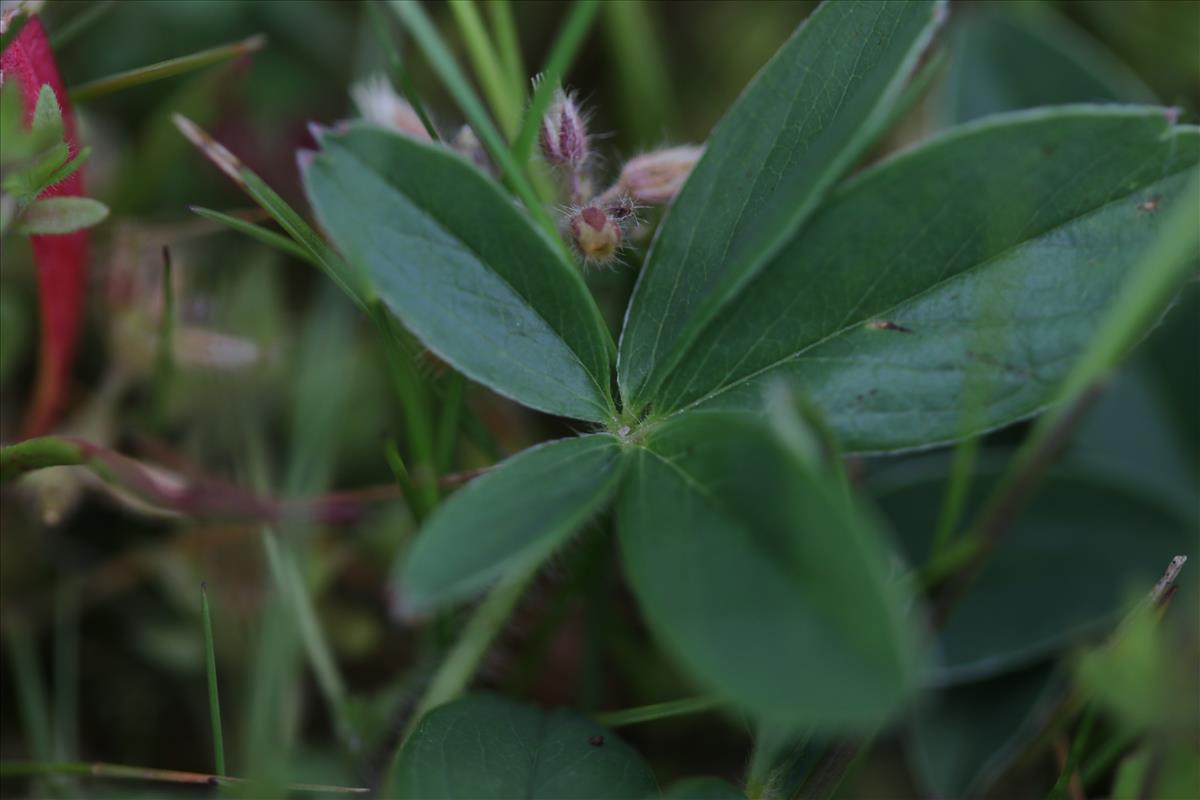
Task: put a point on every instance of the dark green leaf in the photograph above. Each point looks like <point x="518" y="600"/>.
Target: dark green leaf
<point x="987" y="255"/>
<point x="761" y="578"/>
<point x="486" y="746"/>
<point x="513" y="516"/>
<point x="463" y="269"/>
<point x="1005" y="61"/>
<point x="965" y="736"/>
<point x="1067" y="568"/>
<point x="803" y="121"/>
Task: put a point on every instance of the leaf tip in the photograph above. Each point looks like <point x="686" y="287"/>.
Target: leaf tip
<point x="213" y="150"/>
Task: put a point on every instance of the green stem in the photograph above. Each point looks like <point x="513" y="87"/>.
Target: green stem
<point x="379" y="23"/>
<point x="210" y="671"/>
<point x="447" y="430"/>
<point x="414" y="405"/>
<point x="165" y="69"/>
<point x="488" y="69"/>
<point x="34" y="454"/>
<point x="27" y="769"/>
<point x="671" y="708"/>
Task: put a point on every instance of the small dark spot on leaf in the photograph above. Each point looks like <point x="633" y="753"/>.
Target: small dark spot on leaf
<point x="1047" y="150"/>
<point x="596" y="741"/>
<point x="887" y="325"/>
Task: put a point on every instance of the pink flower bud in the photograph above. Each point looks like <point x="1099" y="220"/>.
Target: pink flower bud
<point x="656" y="177"/>
<point x="596" y="234"/>
<point x="563" y="135"/>
<point x="378" y="102"/>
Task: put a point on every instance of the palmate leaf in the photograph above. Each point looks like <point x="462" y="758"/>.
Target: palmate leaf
<point x="515" y="515"/>
<point x="986" y="255"/>
<point x="803" y="121"/>
<point x="486" y="747"/>
<point x="464" y="270"/>
<point x="760" y="576"/>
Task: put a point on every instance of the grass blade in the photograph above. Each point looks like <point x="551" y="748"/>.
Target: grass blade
<point x="505" y="106"/>
<point x="337" y="270"/>
<point x="671" y="708"/>
<point x="508" y="44"/>
<point x="210" y="669"/>
<point x="31" y="694"/>
<point x="566" y="45"/>
<point x="165" y="69"/>
<point x="647" y="103"/>
<point x="80" y="23"/>
<point x="380" y="24"/>
<point x="413" y="17"/>
<point x="267" y="237"/>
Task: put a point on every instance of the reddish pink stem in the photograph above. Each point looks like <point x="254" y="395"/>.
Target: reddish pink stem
<point x="61" y="260"/>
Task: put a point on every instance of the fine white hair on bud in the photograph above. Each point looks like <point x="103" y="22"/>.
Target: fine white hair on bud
<point x="656" y="177"/>
<point x="378" y="102"/>
<point x="563" y="135"/>
<point x="596" y="235"/>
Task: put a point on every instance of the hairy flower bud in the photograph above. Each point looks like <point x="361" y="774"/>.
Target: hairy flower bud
<point x="563" y="135"/>
<point x="656" y="177"/>
<point x="378" y="102"/>
<point x="596" y="234"/>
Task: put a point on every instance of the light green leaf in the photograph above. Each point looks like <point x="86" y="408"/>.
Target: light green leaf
<point x="1006" y="61"/>
<point x="487" y="747"/>
<point x="1066" y="569"/>
<point x="759" y="576"/>
<point x="964" y="737"/>
<point x="47" y="116"/>
<point x="511" y="517"/>
<point x="57" y="215"/>
<point x="990" y="253"/>
<point x="463" y="269"/>
<point x="803" y="121"/>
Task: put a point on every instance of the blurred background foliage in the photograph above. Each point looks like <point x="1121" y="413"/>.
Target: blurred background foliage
<point x="284" y="391"/>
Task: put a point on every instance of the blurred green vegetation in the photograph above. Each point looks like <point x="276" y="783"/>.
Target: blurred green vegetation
<point x="280" y="386"/>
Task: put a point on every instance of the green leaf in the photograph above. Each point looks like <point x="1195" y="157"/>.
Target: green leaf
<point x="47" y="116"/>
<point x="1066" y="569"/>
<point x="804" y="120"/>
<point x="57" y="215"/>
<point x="486" y="746"/>
<point x="759" y="576"/>
<point x="1005" y="61"/>
<point x="513" y="516"/>
<point x="703" y="789"/>
<point x="463" y="269"/>
<point x="964" y="737"/>
<point x="988" y="254"/>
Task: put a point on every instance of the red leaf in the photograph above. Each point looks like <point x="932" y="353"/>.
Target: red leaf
<point x="61" y="260"/>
